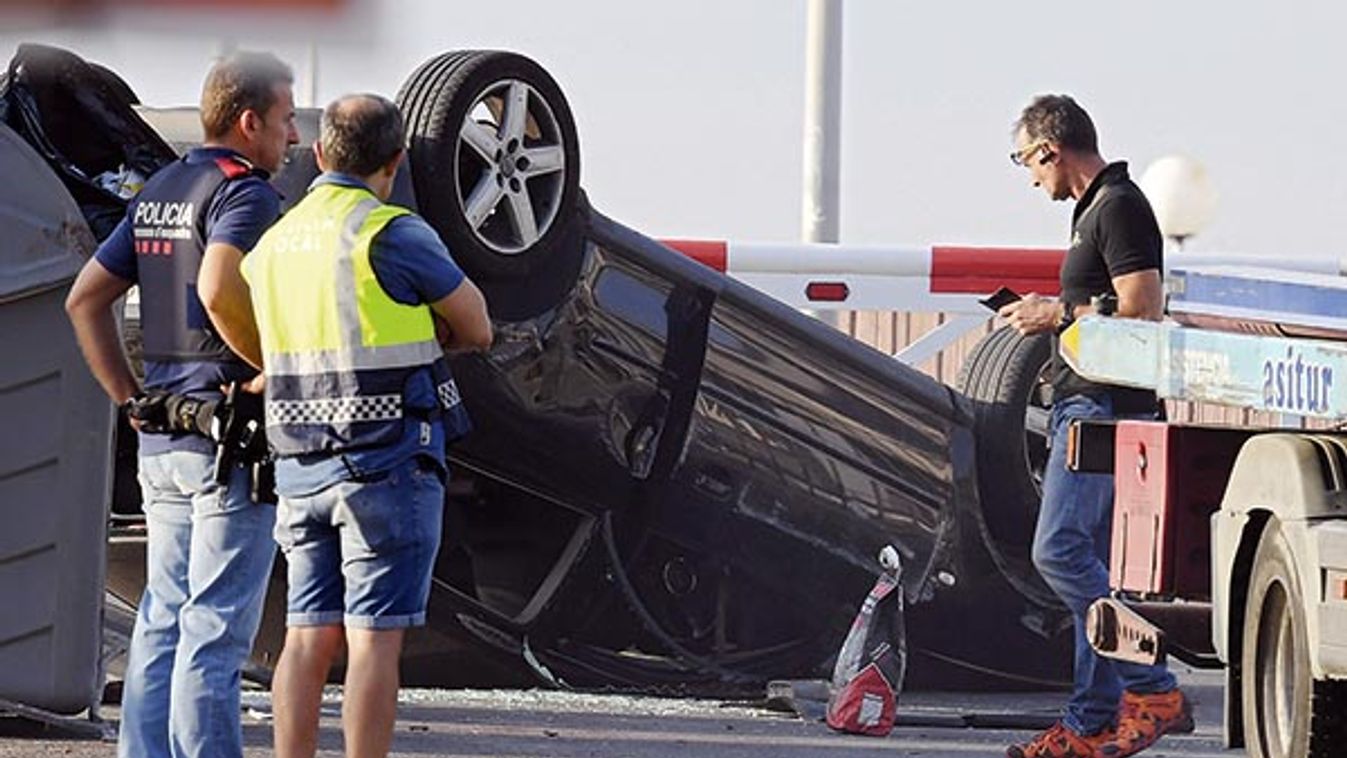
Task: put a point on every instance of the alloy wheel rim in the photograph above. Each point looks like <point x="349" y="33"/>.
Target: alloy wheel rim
<point x="511" y="166"/>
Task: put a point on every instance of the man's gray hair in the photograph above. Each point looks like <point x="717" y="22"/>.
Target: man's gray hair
<point x="1060" y="119"/>
<point x="361" y="133"/>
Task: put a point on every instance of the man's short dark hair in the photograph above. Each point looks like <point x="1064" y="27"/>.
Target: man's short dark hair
<point x="1060" y="119"/>
<point x="360" y="134"/>
<point x="240" y="82"/>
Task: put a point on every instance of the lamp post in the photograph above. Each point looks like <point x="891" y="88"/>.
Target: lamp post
<point x="1181" y="196"/>
<point x="822" y="120"/>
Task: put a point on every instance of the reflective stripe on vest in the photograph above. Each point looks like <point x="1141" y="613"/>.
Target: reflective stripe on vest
<point x="337" y="349"/>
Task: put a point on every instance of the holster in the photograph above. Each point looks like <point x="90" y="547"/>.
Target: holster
<point x="243" y="442"/>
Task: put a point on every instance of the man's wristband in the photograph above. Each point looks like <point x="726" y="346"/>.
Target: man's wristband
<point x="1068" y="316"/>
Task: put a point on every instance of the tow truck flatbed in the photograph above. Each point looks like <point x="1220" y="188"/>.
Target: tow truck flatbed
<point x="1267" y="372"/>
<point x="1260" y="300"/>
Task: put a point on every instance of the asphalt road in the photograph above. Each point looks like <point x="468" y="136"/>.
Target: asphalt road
<point x="474" y="723"/>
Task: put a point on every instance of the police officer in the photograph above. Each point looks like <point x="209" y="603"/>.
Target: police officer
<point x="348" y="294"/>
<point x="209" y="549"/>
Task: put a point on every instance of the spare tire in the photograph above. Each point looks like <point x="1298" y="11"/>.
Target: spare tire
<point x="1006" y="378"/>
<point x="495" y="166"/>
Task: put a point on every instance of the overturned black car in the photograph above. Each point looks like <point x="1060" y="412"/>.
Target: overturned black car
<point x="676" y="483"/>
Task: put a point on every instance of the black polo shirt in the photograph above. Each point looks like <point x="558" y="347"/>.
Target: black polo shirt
<point x="1113" y="232"/>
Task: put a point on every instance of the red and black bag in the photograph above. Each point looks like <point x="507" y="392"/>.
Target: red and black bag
<point x="869" y="671"/>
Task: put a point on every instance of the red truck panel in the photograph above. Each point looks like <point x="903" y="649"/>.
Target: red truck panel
<point x="1169" y="479"/>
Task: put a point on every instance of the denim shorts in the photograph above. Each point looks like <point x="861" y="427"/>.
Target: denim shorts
<point x="360" y="553"/>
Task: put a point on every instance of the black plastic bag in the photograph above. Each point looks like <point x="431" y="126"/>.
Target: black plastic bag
<point x="78" y="116"/>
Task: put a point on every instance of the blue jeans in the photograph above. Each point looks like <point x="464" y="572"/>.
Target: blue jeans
<point x="208" y="558"/>
<point x="360" y="553"/>
<point x="1071" y="552"/>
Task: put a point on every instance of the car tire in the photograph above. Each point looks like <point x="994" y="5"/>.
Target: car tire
<point x="1005" y="377"/>
<point x="1286" y="713"/>
<point x="495" y="167"/>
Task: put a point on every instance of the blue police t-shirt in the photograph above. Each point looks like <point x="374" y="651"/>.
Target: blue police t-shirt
<point x="413" y="267"/>
<point x="237" y="215"/>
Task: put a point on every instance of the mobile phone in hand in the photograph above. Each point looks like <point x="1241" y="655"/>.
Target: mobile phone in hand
<point x="1000" y="299"/>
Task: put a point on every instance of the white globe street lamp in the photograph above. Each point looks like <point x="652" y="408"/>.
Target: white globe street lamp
<point x="1180" y="194"/>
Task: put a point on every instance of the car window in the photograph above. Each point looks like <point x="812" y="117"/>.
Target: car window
<point x="633" y="300"/>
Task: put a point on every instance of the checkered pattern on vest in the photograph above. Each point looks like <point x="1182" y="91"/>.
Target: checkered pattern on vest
<point x="336" y="410"/>
<point x="448" y="393"/>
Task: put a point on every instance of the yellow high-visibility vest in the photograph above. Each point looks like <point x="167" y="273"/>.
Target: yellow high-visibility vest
<point x="337" y="350"/>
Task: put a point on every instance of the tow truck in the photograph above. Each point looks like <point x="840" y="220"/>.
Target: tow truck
<point x="1230" y="543"/>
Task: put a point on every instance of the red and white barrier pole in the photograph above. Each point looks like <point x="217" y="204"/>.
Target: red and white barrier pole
<point x="941" y="278"/>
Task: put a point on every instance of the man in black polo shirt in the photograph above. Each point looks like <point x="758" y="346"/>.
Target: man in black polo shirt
<point x="1116" y="709"/>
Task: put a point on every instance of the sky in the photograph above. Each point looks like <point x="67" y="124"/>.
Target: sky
<point x="690" y="113"/>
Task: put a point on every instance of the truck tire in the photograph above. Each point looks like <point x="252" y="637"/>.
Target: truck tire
<point x="1287" y="714"/>
<point x="1005" y="377"/>
<point x="495" y="166"/>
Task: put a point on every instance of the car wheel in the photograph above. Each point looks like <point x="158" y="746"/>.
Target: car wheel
<point x="1287" y="714"/>
<point x="495" y="166"/>
<point x="1006" y="378"/>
